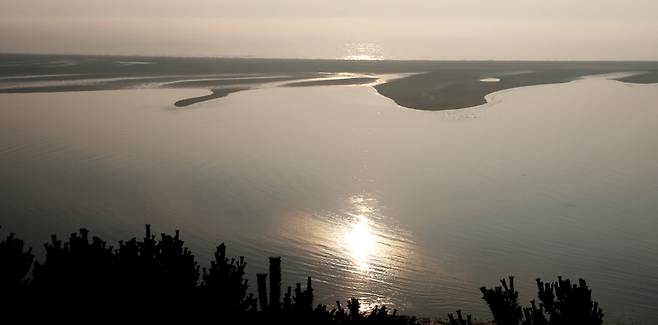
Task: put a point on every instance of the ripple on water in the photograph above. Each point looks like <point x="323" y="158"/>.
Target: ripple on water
<point x="362" y="252"/>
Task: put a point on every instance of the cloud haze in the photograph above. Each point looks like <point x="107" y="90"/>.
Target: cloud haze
<point x="413" y="29"/>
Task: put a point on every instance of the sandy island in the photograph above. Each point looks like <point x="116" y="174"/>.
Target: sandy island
<point x="429" y="85"/>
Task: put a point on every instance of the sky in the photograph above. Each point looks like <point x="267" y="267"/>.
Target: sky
<point x="351" y="29"/>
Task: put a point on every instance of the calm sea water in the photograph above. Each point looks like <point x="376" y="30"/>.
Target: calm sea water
<point x="409" y="208"/>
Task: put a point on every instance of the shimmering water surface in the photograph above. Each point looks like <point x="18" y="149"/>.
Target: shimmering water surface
<point x="409" y="208"/>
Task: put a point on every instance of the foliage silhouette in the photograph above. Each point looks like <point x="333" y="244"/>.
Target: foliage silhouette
<point x="161" y="276"/>
<point x="460" y="319"/>
<point x="224" y="287"/>
<point x="16" y="263"/>
<point x="560" y="303"/>
<point x="503" y="303"/>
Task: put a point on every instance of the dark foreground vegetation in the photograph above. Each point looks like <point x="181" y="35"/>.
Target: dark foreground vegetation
<point x="160" y="279"/>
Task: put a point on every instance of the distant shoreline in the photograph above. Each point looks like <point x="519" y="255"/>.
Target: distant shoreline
<point x="431" y="85"/>
<point x="246" y="57"/>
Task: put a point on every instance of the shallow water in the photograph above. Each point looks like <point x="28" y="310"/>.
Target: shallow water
<point x="410" y="208"/>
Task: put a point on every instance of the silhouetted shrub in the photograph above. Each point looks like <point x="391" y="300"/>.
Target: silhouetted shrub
<point x="155" y="266"/>
<point x="15" y="263"/>
<point x="567" y="303"/>
<point x="460" y="319"/>
<point x="224" y="287"/>
<point x="561" y="303"/>
<point x="75" y="269"/>
<point x="160" y="277"/>
<point x="139" y="276"/>
<point x="503" y="302"/>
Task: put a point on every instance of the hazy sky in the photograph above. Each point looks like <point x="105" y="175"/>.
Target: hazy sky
<point x="402" y="29"/>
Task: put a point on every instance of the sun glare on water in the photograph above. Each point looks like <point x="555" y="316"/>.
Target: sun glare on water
<point x="361" y="240"/>
<point x="363" y="52"/>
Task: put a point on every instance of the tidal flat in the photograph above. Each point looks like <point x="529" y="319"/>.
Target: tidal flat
<point x="412" y="208"/>
<point x="427" y="85"/>
<point x="415" y="209"/>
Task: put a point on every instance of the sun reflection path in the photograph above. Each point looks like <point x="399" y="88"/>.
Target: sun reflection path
<point x="358" y="250"/>
<point x="362" y="242"/>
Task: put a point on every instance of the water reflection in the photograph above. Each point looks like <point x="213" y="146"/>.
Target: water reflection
<point x="360" y="240"/>
<point x="358" y="251"/>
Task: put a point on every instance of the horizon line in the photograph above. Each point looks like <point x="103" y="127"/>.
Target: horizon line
<point x="248" y="57"/>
